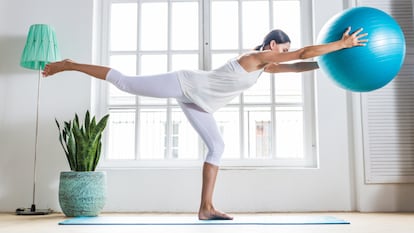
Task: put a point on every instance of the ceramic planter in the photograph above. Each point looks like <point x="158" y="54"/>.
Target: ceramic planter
<point x="82" y="193"/>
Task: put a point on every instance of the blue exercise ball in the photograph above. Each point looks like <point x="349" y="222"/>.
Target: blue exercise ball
<point x="369" y="67"/>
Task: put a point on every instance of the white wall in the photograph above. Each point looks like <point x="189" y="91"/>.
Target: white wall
<point x="331" y="187"/>
<point x="377" y="197"/>
<point x="60" y="97"/>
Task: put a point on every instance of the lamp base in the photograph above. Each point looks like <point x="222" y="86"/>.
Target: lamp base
<point x="33" y="211"/>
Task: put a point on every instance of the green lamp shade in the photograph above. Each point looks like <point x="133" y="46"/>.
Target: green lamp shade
<point x="41" y="47"/>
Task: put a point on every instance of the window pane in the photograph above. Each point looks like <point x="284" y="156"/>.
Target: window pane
<point x="152" y="134"/>
<point x="184" y="62"/>
<point x="289" y="132"/>
<point x="126" y="64"/>
<point x="260" y="92"/>
<point x="154" y="26"/>
<point x="185" y="142"/>
<point x="121" y="135"/>
<point x="288" y="88"/>
<point x="224" y="25"/>
<point x="123" y="26"/>
<point x="184" y="28"/>
<point x="287" y="17"/>
<point x="255" y="22"/>
<point x="153" y="64"/>
<point x="228" y="122"/>
<point x="219" y="59"/>
<point x="258" y="132"/>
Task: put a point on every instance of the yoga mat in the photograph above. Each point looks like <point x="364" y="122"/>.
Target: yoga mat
<point x="183" y="220"/>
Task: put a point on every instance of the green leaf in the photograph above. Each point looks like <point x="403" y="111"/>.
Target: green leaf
<point x="65" y="140"/>
<point x="82" y="143"/>
<point x="87" y="123"/>
<point x="72" y="151"/>
<point x="61" y="138"/>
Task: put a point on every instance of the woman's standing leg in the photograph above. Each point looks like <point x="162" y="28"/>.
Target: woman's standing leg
<point x="206" y="126"/>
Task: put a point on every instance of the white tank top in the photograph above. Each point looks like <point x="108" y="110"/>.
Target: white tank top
<point x="213" y="89"/>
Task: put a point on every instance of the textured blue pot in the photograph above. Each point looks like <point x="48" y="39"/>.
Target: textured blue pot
<point x="82" y="193"/>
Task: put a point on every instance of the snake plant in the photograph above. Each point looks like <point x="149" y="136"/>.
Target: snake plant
<point x="82" y="143"/>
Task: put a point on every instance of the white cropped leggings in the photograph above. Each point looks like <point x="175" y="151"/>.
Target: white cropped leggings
<point x="168" y="86"/>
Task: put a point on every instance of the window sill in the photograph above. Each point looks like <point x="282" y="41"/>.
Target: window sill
<point x="197" y="164"/>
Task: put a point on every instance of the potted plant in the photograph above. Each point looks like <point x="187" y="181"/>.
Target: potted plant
<point x="82" y="191"/>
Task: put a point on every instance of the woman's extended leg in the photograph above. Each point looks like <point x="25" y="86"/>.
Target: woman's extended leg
<point x="96" y="71"/>
<point x="206" y="126"/>
<point x="160" y="86"/>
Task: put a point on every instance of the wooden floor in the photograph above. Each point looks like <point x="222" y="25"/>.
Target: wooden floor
<point x="360" y="223"/>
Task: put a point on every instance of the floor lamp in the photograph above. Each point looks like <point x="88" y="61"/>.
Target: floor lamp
<point x="40" y="49"/>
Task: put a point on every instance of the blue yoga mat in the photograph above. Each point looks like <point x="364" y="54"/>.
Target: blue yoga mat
<point x="181" y="220"/>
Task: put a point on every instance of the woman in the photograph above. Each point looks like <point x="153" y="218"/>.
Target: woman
<point x="200" y="93"/>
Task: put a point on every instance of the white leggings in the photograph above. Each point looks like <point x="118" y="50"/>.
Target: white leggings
<point x="167" y="86"/>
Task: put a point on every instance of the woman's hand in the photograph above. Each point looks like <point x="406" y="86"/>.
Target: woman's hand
<point x="354" y="39"/>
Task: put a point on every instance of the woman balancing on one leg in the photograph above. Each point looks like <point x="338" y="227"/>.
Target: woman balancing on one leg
<point x="200" y="93"/>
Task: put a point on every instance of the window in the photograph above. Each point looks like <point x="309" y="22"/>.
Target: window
<point x="268" y="125"/>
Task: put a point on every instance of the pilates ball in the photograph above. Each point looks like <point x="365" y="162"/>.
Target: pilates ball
<point x="369" y="67"/>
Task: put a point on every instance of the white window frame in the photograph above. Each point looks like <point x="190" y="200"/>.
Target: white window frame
<point x="99" y="92"/>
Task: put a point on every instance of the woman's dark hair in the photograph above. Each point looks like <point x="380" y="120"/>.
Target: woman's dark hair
<point x="277" y="35"/>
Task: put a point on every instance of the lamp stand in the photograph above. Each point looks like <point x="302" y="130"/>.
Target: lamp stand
<point x="33" y="210"/>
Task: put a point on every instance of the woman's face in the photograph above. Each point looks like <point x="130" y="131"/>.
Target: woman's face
<point x="283" y="48"/>
<point x="280" y="48"/>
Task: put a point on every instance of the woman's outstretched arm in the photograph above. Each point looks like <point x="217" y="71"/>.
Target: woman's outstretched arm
<point x="259" y="60"/>
<point x="291" y="67"/>
<point x="347" y="41"/>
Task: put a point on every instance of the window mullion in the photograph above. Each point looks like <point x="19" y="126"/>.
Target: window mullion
<point x="168" y="128"/>
<point x="240" y="40"/>
<point x="273" y="115"/>
<point x="137" y="99"/>
<point x="244" y="151"/>
<point x="271" y="14"/>
<point x="205" y="27"/>
<point x="272" y="93"/>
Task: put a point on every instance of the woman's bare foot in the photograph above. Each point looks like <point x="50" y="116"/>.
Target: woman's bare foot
<point x="212" y="214"/>
<point x="56" y="67"/>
